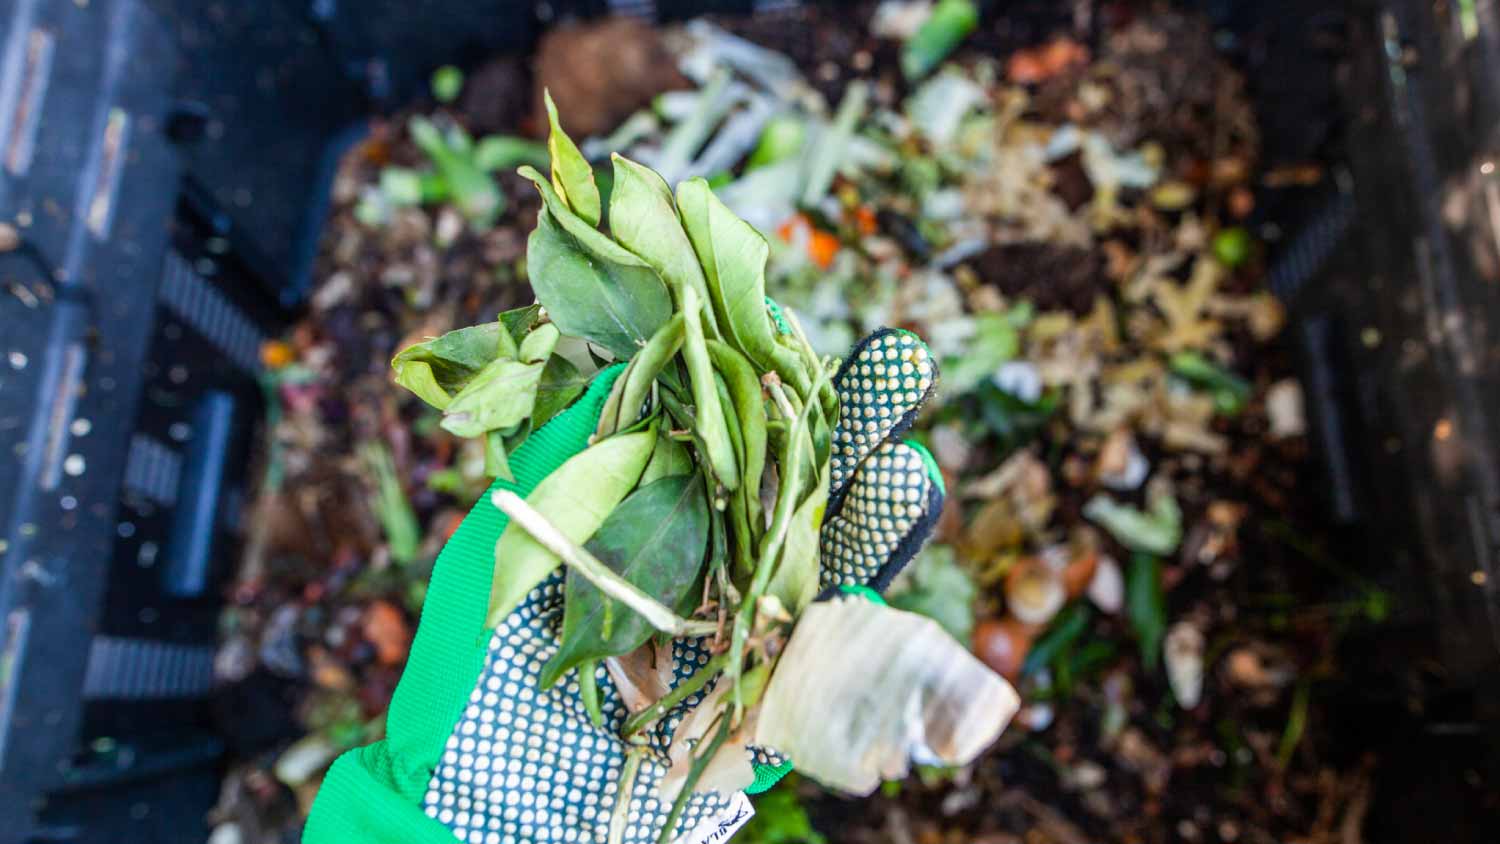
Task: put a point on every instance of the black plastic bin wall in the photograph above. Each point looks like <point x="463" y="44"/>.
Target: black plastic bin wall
<point x="166" y="165"/>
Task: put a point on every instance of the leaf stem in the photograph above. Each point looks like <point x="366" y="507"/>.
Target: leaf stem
<point x="772" y="384"/>
<point x="620" y="816"/>
<point x="695" y="773"/>
<point x="786" y="504"/>
<point x="653" y="611"/>
<point x="640" y="720"/>
<point x="825" y="393"/>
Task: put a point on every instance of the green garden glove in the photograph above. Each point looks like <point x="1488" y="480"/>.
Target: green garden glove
<point x="475" y="750"/>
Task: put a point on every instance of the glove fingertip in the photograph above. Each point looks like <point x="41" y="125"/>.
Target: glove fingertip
<point x="934" y="473"/>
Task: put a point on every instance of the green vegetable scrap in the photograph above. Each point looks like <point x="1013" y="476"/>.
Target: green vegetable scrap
<point x="950" y="23"/>
<point x="1157" y="530"/>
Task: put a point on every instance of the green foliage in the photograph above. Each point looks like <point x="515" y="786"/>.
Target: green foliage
<point x="655" y="539"/>
<point x="1230" y="391"/>
<point x="576" y="499"/>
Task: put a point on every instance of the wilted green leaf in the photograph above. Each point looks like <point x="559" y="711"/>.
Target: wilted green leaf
<point x="709" y="424"/>
<point x="497" y="456"/>
<point x="862" y="688"/>
<point x="436" y="369"/>
<point x="655" y="539"/>
<point x="561" y="383"/>
<point x="571" y="174"/>
<point x="733" y="258"/>
<point x="936" y="586"/>
<point x="501" y="396"/>
<point x="538" y="345"/>
<point x="518" y="323"/>
<point x="576" y="499"/>
<point x="643" y="218"/>
<point x="1146" y="606"/>
<point x="592" y="241"/>
<point x="617" y="306"/>
<point x="669" y="458"/>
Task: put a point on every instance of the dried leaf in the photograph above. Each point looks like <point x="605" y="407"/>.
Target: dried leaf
<point x="863" y="689"/>
<point x="643" y="676"/>
<point x="1184" y="656"/>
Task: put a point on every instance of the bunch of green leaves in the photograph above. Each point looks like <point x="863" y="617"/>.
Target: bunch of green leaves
<point x="499" y="380"/>
<point x="697" y="506"/>
<point x="711" y="458"/>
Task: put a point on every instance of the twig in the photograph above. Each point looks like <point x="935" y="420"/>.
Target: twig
<point x="637" y="722"/>
<point x="620" y="816"/>
<point x="825" y="392"/>
<point x="700" y="763"/>
<point x="653" y="611"/>
<point x="772" y="383"/>
<point x="786" y="503"/>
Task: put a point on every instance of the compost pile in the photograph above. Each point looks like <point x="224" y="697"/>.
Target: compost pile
<point x="1070" y="223"/>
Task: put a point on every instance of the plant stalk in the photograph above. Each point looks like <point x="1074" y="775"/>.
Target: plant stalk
<point x="653" y="611"/>
<point x="695" y="773"/>
<point x="786" y="505"/>
<point x="620" y="816"/>
<point x="682" y="691"/>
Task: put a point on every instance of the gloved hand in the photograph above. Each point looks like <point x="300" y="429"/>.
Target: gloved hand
<point x="474" y="749"/>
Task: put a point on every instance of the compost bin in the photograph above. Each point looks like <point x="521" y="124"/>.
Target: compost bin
<point x="167" y="166"/>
